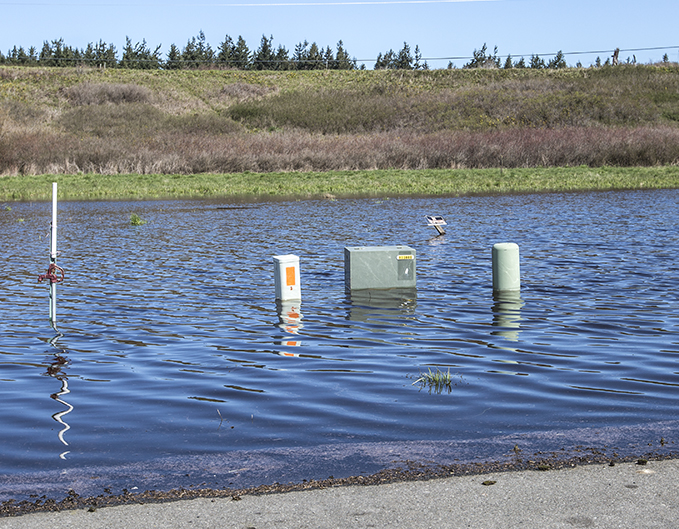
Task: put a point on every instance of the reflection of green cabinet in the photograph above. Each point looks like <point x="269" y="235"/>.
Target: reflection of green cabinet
<point x="379" y="267"/>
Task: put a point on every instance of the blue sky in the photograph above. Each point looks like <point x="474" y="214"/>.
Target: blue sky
<point x="441" y="29"/>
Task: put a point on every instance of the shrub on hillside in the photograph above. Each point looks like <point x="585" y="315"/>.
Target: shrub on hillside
<point x="537" y="103"/>
<point x="245" y="91"/>
<point x="326" y="112"/>
<point x="130" y="120"/>
<point x="137" y="121"/>
<point x="19" y="113"/>
<point x="203" y="124"/>
<point x="101" y="93"/>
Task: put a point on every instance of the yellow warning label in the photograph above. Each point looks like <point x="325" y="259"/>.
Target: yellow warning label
<point x="400" y="257"/>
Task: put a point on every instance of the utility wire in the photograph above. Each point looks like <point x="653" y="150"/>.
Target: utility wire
<point x="627" y="50"/>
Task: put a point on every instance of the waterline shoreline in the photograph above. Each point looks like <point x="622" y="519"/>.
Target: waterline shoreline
<point x="257" y="187"/>
<point x="266" y="471"/>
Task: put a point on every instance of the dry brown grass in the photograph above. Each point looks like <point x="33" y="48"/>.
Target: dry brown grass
<point x="197" y="152"/>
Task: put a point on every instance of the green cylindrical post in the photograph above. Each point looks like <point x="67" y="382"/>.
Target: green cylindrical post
<point x="506" y="269"/>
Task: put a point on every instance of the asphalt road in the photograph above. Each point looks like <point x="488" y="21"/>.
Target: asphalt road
<point x="626" y="495"/>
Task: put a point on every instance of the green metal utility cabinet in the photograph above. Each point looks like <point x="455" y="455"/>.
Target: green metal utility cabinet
<point x="379" y="267"/>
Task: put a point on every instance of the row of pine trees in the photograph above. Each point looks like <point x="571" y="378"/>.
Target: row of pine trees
<point x="235" y="54"/>
<point x="197" y="54"/>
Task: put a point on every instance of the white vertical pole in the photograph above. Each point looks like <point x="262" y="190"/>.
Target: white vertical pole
<point x="53" y="258"/>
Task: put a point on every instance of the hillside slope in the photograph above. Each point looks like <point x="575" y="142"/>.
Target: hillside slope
<point x="61" y="120"/>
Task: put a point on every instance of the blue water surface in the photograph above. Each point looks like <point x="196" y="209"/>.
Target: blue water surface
<point x="175" y="354"/>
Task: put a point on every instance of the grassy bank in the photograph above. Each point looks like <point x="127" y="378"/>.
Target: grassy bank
<point x="114" y="121"/>
<point x="335" y="184"/>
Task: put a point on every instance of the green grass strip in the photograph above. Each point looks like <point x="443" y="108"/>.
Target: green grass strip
<point x="336" y="184"/>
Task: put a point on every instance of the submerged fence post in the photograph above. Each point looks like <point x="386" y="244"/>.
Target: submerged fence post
<point x="506" y="268"/>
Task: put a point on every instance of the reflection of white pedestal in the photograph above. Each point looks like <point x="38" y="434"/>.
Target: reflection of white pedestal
<point x="290" y="320"/>
<point x="290" y="315"/>
<point x="286" y="277"/>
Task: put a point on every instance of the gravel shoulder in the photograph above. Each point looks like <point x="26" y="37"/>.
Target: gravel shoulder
<point x="598" y="496"/>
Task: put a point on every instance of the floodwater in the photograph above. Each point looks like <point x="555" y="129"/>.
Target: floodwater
<point x="175" y="366"/>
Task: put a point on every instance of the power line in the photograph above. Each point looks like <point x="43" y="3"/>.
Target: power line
<point x="592" y="52"/>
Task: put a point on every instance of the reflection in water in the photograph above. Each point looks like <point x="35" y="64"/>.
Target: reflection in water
<point x="437" y="240"/>
<point x="59" y="416"/>
<point x="54" y="370"/>
<point x="371" y="304"/>
<point x="507" y="314"/>
<point x="290" y="317"/>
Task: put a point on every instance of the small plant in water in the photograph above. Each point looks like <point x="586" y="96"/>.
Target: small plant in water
<point x="136" y="220"/>
<point x="437" y="380"/>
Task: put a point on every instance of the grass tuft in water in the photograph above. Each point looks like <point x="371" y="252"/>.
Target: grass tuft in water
<point x="436" y="381"/>
<point x="136" y="220"/>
